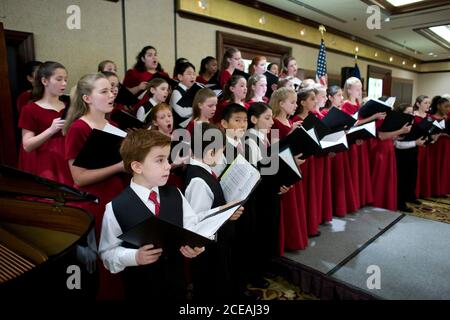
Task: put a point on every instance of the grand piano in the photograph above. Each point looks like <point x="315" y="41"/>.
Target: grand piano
<point x="47" y="242"/>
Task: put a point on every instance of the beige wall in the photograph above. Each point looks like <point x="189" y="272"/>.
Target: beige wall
<point x="433" y="84"/>
<point x="99" y="38"/>
<point x="148" y="22"/>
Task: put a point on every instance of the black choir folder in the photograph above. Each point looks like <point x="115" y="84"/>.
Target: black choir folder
<point x="338" y="120"/>
<point x="373" y="106"/>
<point x="302" y="141"/>
<point x="395" y="121"/>
<point x="101" y="148"/>
<point x="287" y="172"/>
<point x="362" y="132"/>
<point x="126" y="121"/>
<point x="163" y="234"/>
<point x="125" y="97"/>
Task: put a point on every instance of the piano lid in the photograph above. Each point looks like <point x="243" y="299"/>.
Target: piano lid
<point x="17" y="182"/>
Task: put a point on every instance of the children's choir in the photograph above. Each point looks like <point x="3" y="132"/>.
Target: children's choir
<point x="387" y="171"/>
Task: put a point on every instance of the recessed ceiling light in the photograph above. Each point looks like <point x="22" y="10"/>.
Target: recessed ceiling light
<point x="357" y="49"/>
<point x="414" y="65"/>
<point x="202" y="4"/>
<point x="302" y="32"/>
<point x="262" y="20"/>
<point x="391" y="59"/>
<point x="399" y="3"/>
<point x="430" y="53"/>
<point x="376" y="54"/>
<point x="403" y="62"/>
<point x="442" y="32"/>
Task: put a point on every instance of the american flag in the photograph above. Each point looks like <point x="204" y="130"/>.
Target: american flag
<point x="321" y="73"/>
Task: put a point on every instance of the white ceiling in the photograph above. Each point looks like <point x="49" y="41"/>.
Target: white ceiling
<point x="350" y="16"/>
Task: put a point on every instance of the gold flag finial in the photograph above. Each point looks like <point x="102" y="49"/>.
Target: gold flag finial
<point x="322" y="30"/>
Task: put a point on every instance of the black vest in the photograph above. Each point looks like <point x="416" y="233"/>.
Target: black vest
<point x="129" y="209"/>
<point x="177" y="119"/>
<point x="193" y="171"/>
<point x="164" y="278"/>
<point x="147" y="107"/>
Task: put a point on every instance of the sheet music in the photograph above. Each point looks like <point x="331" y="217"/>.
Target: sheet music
<point x="239" y="179"/>
<point x="370" y="127"/>
<point x="334" y="139"/>
<point x="114" y="130"/>
<point x="209" y="226"/>
<point x="286" y="156"/>
<point x="312" y="133"/>
<point x="439" y="124"/>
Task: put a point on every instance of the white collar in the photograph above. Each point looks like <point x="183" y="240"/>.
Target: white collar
<point x="200" y="164"/>
<point x="153" y="101"/>
<point x="233" y="142"/>
<point x="143" y="192"/>
<point x="259" y="134"/>
<point x="182" y="86"/>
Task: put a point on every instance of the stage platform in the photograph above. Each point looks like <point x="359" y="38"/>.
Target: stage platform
<point x="410" y="255"/>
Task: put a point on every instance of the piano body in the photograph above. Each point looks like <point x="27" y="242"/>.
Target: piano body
<point x="47" y="244"/>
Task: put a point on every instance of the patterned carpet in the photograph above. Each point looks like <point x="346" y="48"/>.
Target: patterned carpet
<point x="437" y="209"/>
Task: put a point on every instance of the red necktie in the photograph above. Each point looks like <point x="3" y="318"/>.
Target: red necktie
<point x="214" y="175"/>
<point x="153" y="197"/>
<point x="239" y="148"/>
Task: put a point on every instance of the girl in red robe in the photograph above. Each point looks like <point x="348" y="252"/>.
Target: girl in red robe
<point x="256" y="89"/>
<point x="42" y="151"/>
<point x="234" y="92"/>
<point x="423" y="184"/>
<point x="203" y="108"/>
<point x="344" y="198"/>
<point x="293" y="226"/>
<point x="439" y="151"/>
<point x="93" y="99"/>
<point x="208" y="71"/>
<point x="24" y="98"/>
<point x="230" y="62"/>
<point x="147" y="64"/>
<point x="359" y="152"/>
<point x="384" y="169"/>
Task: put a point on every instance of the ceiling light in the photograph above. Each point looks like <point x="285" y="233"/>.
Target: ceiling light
<point x="302" y="32"/>
<point x="414" y="65"/>
<point x="391" y="59"/>
<point x="403" y="62"/>
<point x="357" y="49"/>
<point x="262" y="20"/>
<point x="399" y="3"/>
<point x="202" y="4"/>
<point x="442" y="32"/>
<point x="376" y="54"/>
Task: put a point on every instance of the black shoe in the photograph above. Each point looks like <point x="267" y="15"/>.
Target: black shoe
<point x="415" y="201"/>
<point x="315" y="235"/>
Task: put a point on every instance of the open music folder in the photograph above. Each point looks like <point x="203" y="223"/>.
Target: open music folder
<point x="373" y="106"/>
<point x="101" y="148"/>
<point x="163" y="234"/>
<point x="362" y="132"/>
<point x="239" y="179"/>
<point x="302" y="141"/>
<point x="395" y="121"/>
<point x="338" y="120"/>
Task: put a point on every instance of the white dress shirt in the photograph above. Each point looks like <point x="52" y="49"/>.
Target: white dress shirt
<point x="181" y="111"/>
<point x="115" y="257"/>
<point x="255" y="152"/>
<point x="404" y="144"/>
<point x="141" y="115"/>
<point x="198" y="193"/>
